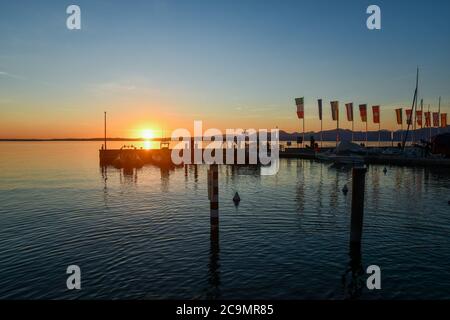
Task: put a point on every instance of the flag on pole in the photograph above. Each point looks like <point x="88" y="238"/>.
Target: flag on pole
<point x="363" y="112"/>
<point x="428" y="119"/>
<point x="399" y="114"/>
<point x="300" y="107"/>
<point x="376" y="114"/>
<point x="419" y="117"/>
<point x="435" y="119"/>
<point x="443" y="120"/>
<point x="408" y="116"/>
<point x="349" y="107"/>
<point x="335" y="110"/>
<point x="320" y="108"/>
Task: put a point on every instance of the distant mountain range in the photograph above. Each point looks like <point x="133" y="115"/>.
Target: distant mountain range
<point x="345" y="134"/>
<point x="328" y="135"/>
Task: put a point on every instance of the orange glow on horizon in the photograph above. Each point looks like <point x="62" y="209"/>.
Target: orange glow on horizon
<point x="148" y="134"/>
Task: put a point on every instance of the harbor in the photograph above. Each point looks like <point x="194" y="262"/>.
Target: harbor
<point x="413" y="156"/>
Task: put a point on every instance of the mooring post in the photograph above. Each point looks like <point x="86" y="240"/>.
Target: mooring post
<point x="358" y="184"/>
<point x="214" y="193"/>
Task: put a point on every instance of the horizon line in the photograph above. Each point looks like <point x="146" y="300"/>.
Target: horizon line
<point x="166" y="138"/>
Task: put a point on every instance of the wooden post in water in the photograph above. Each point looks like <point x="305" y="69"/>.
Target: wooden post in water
<point x="358" y="183"/>
<point x="214" y="193"/>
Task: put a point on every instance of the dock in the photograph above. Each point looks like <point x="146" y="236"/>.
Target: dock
<point x="136" y="158"/>
<point x="162" y="158"/>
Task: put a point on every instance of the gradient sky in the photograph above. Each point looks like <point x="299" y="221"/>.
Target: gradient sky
<point x="236" y="63"/>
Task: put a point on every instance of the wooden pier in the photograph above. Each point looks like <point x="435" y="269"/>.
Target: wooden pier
<point x="136" y="158"/>
<point x="162" y="157"/>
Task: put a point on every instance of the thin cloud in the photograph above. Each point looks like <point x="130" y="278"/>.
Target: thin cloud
<point x="9" y="75"/>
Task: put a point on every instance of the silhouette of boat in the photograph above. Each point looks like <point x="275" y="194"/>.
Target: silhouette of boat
<point x="346" y="153"/>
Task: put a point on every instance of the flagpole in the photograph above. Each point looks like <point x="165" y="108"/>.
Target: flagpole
<point x="303" y="139"/>
<point x="415" y="117"/>
<point x="412" y="109"/>
<point x="321" y="132"/>
<point x="300" y="122"/>
<point x="415" y="123"/>
<point x="401" y="129"/>
<point x="439" y="111"/>
<point x="337" y="131"/>
<point x="429" y="127"/>
<point x="353" y="129"/>
<point x="379" y="133"/>
<point x="421" y="122"/>
<point x="367" y="134"/>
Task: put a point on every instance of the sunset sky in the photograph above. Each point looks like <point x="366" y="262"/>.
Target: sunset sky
<point x="160" y="65"/>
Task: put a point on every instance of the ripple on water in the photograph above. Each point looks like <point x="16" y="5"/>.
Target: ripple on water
<point x="148" y="235"/>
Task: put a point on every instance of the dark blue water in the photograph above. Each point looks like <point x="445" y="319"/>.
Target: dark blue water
<point x="147" y="235"/>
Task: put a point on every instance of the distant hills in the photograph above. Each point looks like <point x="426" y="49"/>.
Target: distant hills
<point x="328" y="135"/>
<point x="345" y="134"/>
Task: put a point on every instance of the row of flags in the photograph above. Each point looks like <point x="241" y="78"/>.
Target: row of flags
<point x="439" y="119"/>
<point x="335" y="110"/>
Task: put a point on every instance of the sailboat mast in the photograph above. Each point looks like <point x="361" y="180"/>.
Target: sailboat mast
<point x="412" y="109"/>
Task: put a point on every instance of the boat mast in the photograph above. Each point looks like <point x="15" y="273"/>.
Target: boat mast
<point x="412" y="110"/>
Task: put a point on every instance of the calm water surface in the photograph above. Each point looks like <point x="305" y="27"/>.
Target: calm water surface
<point x="147" y="235"/>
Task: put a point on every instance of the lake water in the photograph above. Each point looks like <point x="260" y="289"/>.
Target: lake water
<point x="147" y="235"/>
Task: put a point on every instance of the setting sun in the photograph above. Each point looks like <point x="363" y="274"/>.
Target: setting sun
<point x="148" y="134"/>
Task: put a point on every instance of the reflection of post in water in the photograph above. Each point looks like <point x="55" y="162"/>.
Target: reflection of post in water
<point x="104" y="174"/>
<point x="213" y="267"/>
<point x="164" y="179"/>
<point x="213" y="196"/>
<point x="300" y="192"/>
<point x="129" y="176"/>
<point x="195" y="173"/>
<point x="353" y="278"/>
<point x="213" y="193"/>
<point x="334" y="193"/>
<point x="355" y="285"/>
<point x="105" y="184"/>
<point x="375" y="194"/>
<point x="319" y="191"/>
<point x="128" y="171"/>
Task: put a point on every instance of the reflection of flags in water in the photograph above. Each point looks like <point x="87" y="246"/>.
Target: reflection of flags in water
<point x="363" y="112"/>
<point x="408" y="116"/>
<point x="435" y="119"/>
<point x="399" y="114"/>
<point x="428" y="119"/>
<point x="320" y="108"/>
<point x="419" y="117"/>
<point x="443" y="120"/>
<point x="335" y="110"/>
<point x="349" y="107"/>
<point x="376" y="114"/>
<point x="300" y="107"/>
